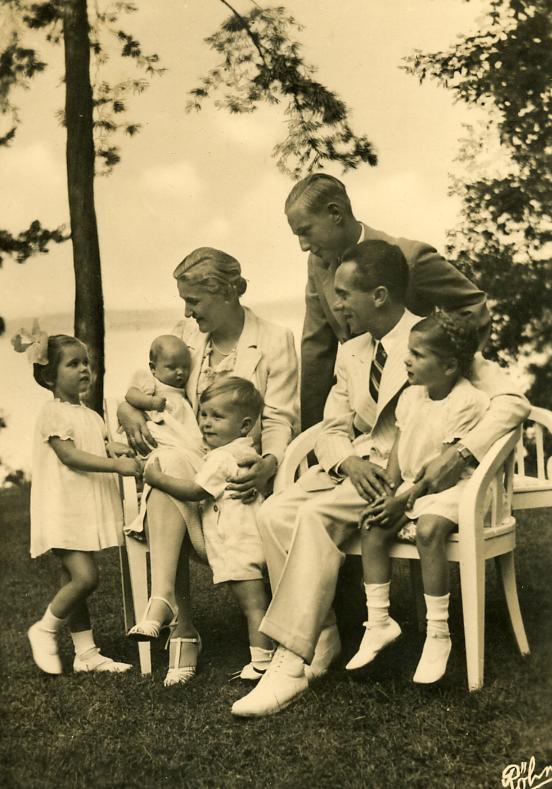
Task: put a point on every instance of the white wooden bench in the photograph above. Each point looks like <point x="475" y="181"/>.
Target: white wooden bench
<point x="486" y="530"/>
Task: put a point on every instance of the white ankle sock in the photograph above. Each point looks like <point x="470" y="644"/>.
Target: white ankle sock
<point x="51" y="622"/>
<point x="260" y="658"/>
<point x="377" y="601"/>
<point x="83" y="641"/>
<point x="437" y="615"/>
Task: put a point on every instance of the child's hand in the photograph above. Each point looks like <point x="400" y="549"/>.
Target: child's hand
<point x="116" y="449"/>
<point x="128" y="467"/>
<point x="158" y="403"/>
<point x="153" y="473"/>
<point x="383" y="512"/>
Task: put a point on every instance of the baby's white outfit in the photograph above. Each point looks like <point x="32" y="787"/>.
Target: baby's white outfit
<point x="232" y="540"/>
<point x="74" y="510"/>
<point x="176" y="427"/>
<point x="180" y="449"/>
<point x="425" y="425"/>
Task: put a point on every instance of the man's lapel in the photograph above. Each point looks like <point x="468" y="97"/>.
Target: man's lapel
<point x="394" y="376"/>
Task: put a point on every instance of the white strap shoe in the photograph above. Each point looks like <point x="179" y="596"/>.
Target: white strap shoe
<point x="375" y="638"/>
<point x="177" y="674"/>
<point x="93" y="660"/>
<point x="150" y="629"/>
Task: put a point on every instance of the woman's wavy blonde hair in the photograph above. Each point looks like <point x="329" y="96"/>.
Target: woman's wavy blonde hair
<point x="213" y="270"/>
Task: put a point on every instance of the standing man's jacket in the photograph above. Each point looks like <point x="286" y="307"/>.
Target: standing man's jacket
<point x="433" y="283"/>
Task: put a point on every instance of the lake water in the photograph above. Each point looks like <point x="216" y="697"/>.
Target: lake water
<point x="128" y="337"/>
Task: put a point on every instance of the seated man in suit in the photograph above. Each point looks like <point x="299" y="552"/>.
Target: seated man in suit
<point x="319" y="213"/>
<point x="303" y="527"/>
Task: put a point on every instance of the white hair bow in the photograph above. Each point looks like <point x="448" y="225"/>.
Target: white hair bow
<point x="33" y="343"/>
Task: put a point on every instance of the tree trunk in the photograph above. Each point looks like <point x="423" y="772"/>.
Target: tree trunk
<point x="89" y="312"/>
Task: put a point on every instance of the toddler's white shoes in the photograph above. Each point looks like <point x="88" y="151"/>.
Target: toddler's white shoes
<point x="93" y="660"/>
<point x="375" y="638"/>
<point x="433" y="662"/>
<point x="45" y="649"/>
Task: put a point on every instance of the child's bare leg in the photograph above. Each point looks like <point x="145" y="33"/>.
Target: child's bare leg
<point x="253" y="600"/>
<point x="80" y="579"/>
<point x="432" y="532"/>
<point x="375" y="544"/>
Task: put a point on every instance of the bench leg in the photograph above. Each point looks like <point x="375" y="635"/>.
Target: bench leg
<point x="137" y="553"/>
<point x="507" y="572"/>
<point x="472" y="581"/>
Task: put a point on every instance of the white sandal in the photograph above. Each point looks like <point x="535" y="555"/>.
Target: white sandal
<point x="177" y="674"/>
<point x="150" y="629"/>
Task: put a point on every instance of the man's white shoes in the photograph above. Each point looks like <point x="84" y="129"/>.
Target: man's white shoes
<point x="374" y="640"/>
<point x="283" y="682"/>
<point x="93" y="660"/>
<point x="328" y="649"/>
<point x="45" y="649"/>
<point x="433" y="662"/>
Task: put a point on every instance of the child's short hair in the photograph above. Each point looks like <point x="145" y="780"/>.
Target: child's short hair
<point x="451" y="335"/>
<point x="159" y="344"/>
<point x="45" y="374"/>
<point x="245" y="398"/>
<point x="379" y="263"/>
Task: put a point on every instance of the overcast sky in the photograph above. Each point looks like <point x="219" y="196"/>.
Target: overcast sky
<point x="209" y="179"/>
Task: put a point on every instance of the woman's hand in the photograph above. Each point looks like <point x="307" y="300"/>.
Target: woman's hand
<point x="135" y="426"/>
<point x="255" y="479"/>
<point x="153" y="473"/>
<point x="128" y="467"/>
<point x="370" y="481"/>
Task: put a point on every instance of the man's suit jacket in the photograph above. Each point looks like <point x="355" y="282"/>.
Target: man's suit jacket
<point x="433" y="283"/>
<point x="350" y="411"/>
<point x="265" y="355"/>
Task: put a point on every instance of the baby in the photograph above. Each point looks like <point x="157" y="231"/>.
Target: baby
<point x="161" y="392"/>
<point x="229" y="409"/>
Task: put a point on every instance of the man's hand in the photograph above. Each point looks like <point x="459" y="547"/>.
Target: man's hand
<point x="158" y="403"/>
<point x="153" y="473"/>
<point x="384" y="512"/>
<point x="441" y="473"/>
<point x="135" y="426"/>
<point x="255" y="479"/>
<point x="128" y="467"/>
<point x="116" y="449"/>
<point x="370" y="481"/>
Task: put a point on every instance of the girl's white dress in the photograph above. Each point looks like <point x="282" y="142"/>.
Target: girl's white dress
<point x="425" y="425"/>
<point x="74" y="510"/>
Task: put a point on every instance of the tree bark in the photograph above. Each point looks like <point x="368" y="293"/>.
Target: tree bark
<point x="89" y="308"/>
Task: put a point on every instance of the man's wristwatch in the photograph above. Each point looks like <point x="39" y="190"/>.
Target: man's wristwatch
<point x="468" y="458"/>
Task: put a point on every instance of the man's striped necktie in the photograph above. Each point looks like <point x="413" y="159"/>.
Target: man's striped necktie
<point x="376" y="369"/>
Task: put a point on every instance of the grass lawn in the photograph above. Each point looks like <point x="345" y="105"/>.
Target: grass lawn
<point x="381" y="731"/>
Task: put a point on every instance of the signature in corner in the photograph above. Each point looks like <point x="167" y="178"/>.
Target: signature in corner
<point x="524" y="776"/>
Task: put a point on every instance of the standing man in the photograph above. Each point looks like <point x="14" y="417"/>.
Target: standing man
<point x="319" y="213"/>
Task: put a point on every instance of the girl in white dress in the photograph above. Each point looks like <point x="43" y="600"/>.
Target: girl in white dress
<point x="438" y="409"/>
<point x="75" y="505"/>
